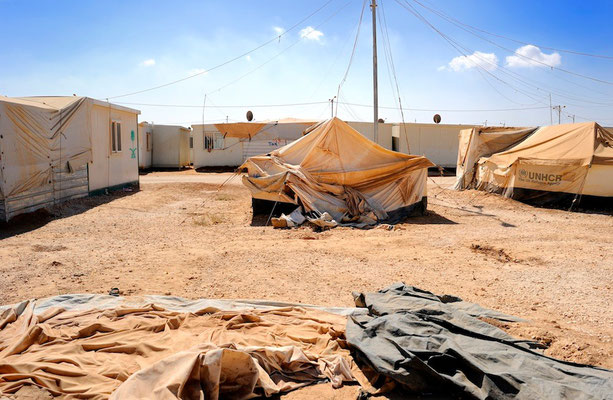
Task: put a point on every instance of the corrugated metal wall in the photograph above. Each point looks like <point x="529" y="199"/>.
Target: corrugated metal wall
<point x="258" y="147"/>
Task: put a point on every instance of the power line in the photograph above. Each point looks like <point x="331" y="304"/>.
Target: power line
<point x="224" y="106"/>
<point x="355" y="43"/>
<point x="327" y="103"/>
<point x="453" y="110"/>
<point x="525" y="43"/>
<point x="523" y="80"/>
<point x="228" y="61"/>
<point x="279" y="53"/>
<point x="457" y="23"/>
<point x="457" y="46"/>
<point x="389" y="59"/>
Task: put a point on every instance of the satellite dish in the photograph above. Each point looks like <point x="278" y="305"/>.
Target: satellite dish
<point x="437" y="119"/>
<point x="249" y="116"/>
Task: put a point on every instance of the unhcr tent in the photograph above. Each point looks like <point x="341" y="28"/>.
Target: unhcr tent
<point x="576" y="159"/>
<point x="335" y="170"/>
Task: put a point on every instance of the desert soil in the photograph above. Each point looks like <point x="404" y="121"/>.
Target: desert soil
<point x="183" y="235"/>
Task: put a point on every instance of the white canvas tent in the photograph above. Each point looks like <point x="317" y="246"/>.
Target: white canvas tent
<point x="336" y="170"/>
<point x="528" y="163"/>
<point x="57" y="148"/>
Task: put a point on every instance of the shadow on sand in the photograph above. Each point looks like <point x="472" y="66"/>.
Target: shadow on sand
<point x="31" y="221"/>
<point x="431" y="217"/>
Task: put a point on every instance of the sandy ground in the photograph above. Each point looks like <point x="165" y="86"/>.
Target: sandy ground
<point x="179" y="235"/>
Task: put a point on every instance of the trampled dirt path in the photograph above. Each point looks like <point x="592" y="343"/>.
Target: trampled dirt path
<point x="181" y="236"/>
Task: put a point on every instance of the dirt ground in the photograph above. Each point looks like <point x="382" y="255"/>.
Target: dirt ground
<point x="179" y="235"/>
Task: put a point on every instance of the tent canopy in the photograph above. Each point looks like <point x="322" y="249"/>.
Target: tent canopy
<point x="337" y="170"/>
<point x="285" y="128"/>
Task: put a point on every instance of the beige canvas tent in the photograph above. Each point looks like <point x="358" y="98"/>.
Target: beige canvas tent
<point x="530" y="163"/>
<point x="58" y="148"/>
<point x="335" y="170"/>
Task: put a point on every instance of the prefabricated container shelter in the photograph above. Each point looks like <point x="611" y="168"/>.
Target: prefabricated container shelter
<point x="57" y="148"/>
<point x="145" y="144"/>
<point x="438" y="142"/>
<point x="170" y="146"/>
<point x="228" y="145"/>
<point x="231" y="144"/>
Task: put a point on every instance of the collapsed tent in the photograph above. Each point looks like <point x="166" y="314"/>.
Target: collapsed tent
<point x="530" y="163"/>
<point x="335" y="170"/>
<point x="162" y="347"/>
<point x="95" y="347"/>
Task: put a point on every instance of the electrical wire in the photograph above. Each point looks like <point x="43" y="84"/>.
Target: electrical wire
<point x="327" y="103"/>
<point x="457" y="46"/>
<point x="525" y="43"/>
<point x="390" y="61"/>
<point x="224" y="106"/>
<point x="279" y="53"/>
<point x="278" y="37"/>
<point x="453" y="110"/>
<point x="515" y="53"/>
<point x="355" y="44"/>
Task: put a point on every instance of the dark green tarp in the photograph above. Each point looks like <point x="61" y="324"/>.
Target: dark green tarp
<point x="433" y="344"/>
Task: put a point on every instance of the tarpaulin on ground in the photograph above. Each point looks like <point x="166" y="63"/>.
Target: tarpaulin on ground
<point x="569" y="158"/>
<point x="138" y="350"/>
<point x="38" y="135"/>
<point x="429" y="344"/>
<point x="335" y="169"/>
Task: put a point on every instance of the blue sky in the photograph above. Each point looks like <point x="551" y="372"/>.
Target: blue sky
<point x="106" y="49"/>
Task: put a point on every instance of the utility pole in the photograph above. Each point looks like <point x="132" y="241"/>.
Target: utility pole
<point x="550" y="111"/>
<point x="559" y="108"/>
<point x="332" y="106"/>
<point x="573" y="118"/>
<point x="373" y="6"/>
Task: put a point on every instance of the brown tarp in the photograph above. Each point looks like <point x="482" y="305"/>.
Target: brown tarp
<point x="149" y="352"/>
<point x="241" y="130"/>
<point x="337" y="170"/>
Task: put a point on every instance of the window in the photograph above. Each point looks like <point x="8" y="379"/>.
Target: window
<point x="213" y="141"/>
<point x="191" y="142"/>
<point x="148" y="137"/>
<point x="115" y="136"/>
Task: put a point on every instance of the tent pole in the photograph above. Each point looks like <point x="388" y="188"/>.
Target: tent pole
<point x="373" y="7"/>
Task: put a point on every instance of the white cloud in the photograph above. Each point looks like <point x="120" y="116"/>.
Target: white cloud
<point x="278" y="30"/>
<point x="531" y="56"/>
<point x="148" y="63"/>
<point x="311" y="33"/>
<point x="487" y="61"/>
